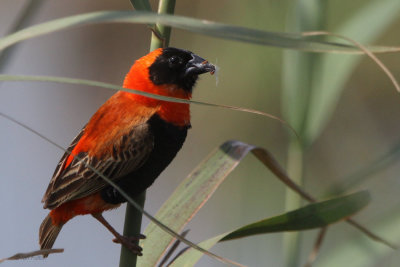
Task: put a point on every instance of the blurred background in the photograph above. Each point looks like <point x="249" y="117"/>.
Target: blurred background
<point x="363" y="127"/>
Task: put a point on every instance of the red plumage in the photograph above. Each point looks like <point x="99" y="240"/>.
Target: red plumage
<point x="130" y="139"/>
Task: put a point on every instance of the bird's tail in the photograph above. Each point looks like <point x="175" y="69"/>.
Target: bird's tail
<point x="48" y="233"/>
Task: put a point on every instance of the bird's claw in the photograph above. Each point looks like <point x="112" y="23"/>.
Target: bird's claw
<point x="130" y="242"/>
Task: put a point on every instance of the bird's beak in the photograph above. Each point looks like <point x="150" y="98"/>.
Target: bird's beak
<point x="198" y="65"/>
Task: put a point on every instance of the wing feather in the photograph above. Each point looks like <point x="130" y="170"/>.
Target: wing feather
<point x="128" y="153"/>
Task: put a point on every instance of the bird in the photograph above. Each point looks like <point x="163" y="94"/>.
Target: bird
<point x="130" y="139"/>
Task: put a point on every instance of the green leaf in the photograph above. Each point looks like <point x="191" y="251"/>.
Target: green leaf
<point x="315" y="215"/>
<point x="141" y="5"/>
<point x="189" y="197"/>
<point x="312" y="216"/>
<point x="333" y="71"/>
<point x="278" y="39"/>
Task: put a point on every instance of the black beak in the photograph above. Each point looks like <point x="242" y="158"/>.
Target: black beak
<point x="198" y="65"/>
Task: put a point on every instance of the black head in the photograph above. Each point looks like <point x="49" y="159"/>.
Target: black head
<point x="179" y="67"/>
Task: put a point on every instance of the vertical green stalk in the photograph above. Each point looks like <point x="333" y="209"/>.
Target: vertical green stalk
<point x="132" y="227"/>
<point x="133" y="217"/>
<point x="164" y="7"/>
<point x="299" y="78"/>
<point x="291" y="241"/>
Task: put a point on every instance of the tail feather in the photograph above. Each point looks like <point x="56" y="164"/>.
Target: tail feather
<point x="48" y="233"/>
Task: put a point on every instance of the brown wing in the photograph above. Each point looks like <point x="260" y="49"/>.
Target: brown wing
<point x="77" y="180"/>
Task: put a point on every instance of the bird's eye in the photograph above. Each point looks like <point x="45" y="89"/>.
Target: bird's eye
<point x="174" y="61"/>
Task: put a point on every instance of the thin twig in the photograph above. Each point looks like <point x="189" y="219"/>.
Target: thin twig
<point x="20" y="256"/>
<point x="138" y="92"/>
<point x="362" y="48"/>
<point x="317" y="246"/>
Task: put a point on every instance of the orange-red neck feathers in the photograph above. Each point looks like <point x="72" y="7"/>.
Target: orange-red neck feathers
<point x="124" y="110"/>
<point x="138" y="78"/>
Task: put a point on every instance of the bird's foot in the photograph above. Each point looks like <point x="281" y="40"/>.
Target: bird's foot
<point x="130" y="242"/>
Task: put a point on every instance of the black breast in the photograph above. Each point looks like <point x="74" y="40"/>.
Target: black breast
<point x="168" y="140"/>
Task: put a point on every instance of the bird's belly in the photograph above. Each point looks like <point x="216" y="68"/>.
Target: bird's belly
<point x="168" y="140"/>
<point x="86" y="205"/>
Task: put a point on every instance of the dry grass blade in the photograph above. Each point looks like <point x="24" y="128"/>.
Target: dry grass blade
<point x="11" y="78"/>
<point x="248" y="110"/>
<point x="272" y="164"/>
<point x="371" y="235"/>
<point x="364" y="49"/>
<point x="21" y="256"/>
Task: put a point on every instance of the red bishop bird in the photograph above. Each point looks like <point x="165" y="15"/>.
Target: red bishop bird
<point x="131" y="139"/>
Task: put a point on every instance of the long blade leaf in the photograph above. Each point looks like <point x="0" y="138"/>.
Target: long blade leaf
<point x="189" y="197"/>
<point x="14" y="78"/>
<point x="314" y="215"/>
<point x="236" y="33"/>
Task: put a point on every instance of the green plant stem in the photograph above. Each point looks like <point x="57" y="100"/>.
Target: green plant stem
<point x="164" y="7"/>
<point x="301" y="76"/>
<point x="133" y="217"/>
<point x="132" y="227"/>
<point x="291" y="241"/>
